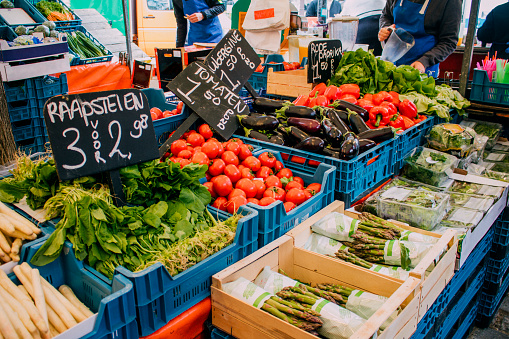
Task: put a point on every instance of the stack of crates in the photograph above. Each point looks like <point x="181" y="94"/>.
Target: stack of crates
<point x="25" y="103"/>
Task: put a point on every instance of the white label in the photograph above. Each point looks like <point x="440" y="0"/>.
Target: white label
<point x="177" y="54"/>
<point x="491" y="190"/>
<point x="495" y="157"/>
<point x="470" y="124"/>
<point x="500" y="147"/>
<point x="464" y="215"/>
<point x="479" y="204"/>
<point x="431" y="161"/>
<point x="397" y="193"/>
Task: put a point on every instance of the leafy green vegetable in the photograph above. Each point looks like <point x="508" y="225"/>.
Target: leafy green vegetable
<point x="429" y="166"/>
<point x="452" y="137"/>
<point x="479" y="189"/>
<point x="462" y="218"/>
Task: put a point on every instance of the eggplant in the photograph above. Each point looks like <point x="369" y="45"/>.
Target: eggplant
<point x="307" y="125"/>
<point x="366" y="145"/>
<point x="265" y="105"/>
<point x="300" y="112"/>
<point x="258" y="136"/>
<point x="346" y="105"/>
<point x="259" y="123"/>
<point x="349" y="148"/>
<point x="356" y="123"/>
<point x="297" y="133"/>
<point x="311" y="144"/>
<point x="338" y="122"/>
<point x="343" y="115"/>
<point x="378" y="135"/>
<point x="331" y="152"/>
<point x="332" y="134"/>
<point x="277" y="139"/>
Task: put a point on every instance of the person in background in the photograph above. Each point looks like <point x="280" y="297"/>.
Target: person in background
<point x="496" y="30"/>
<point x="433" y="23"/>
<point x="368" y="12"/>
<point x="334" y="8"/>
<point x="204" y="23"/>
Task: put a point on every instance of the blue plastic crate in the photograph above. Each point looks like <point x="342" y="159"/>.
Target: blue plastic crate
<point x="49" y="86"/>
<point x="496" y="270"/>
<point x="28" y="129"/>
<point x="259" y="79"/>
<point x="77" y="59"/>
<point x="29" y="9"/>
<point x="464" y="327"/>
<point x="427" y="323"/>
<point x="483" y="90"/>
<point x="34" y="145"/>
<point x="24" y="110"/>
<point x="274" y="221"/>
<point x="455" y="118"/>
<point x="410" y="139"/>
<point x="61" y="24"/>
<point x="113" y="302"/>
<point x="489" y="304"/>
<point x="500" y="247"/>
<point x="216" y="333"/>
<point x="19" y="90"/>
<point x="160" y="297"/>
<point x="353" y="177"/>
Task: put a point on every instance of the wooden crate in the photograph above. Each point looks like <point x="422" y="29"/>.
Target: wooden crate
<point x="242" y="320"/>
<point x="288" y="83"/>
<point x="431" y="285"/>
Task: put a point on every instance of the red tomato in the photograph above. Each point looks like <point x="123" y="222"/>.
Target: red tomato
<point x="177" y="146"/>
<point x="285" y="173"/>
<point x="210" y="187"/>
<point x="230" y="158"/>
<point x="195" y="139"/>
<point x="275" y="192"/>
<point x="220" y="203"/>
<point x="179" y="107"/>
<point x="245" y="152"/>
<point x="153" y="115"/>
<point x="296" y="195"/>
<point x="264" y="172"/>
<point x="299" y="180"/>
<point x="217" y="167"/>
<point x="196" y="149"/>
<point x="314" y="188"/>
<point x="272" y="180"/>
<point x="260" y="68"/>
<point x="266" y="201"/>
<point x="185" y="154"/>
<point x="253" y="200"/>
<point x="296" y="65"/>
<point x="205" y="131"/>
<point x="260" y="187"/>
<point x="308" y="194"/>
<point x="234" y="147"/>
<point x="241" y="167"/>
<point x="267" y="159"/>
<point x="293" y="184"/>
<point x="173" y="112"/>
<point x="232" y="172"/>
<point x="157" y="111"/>
<point x="221" y="148"/>
<point x="252" y="163"/>
<point x="246" y="173"/>
<point x="248" y="187"/>
<point x="238" y="141"/>
<point x="289" y="206"/>
<point x="222" y="185"/>
<point x="211" y="149"/>
<point x="188" y="133"/>
<point x="234" y="204"/>
<point x="166" y="114"/>
<point x="184" y="162"/>
<point x="278" y="166"/>
<point x="236" y="192"/>
<point x="200" y="158"/>
<point x="208" y="176"/>
<point x="287" y="66"/>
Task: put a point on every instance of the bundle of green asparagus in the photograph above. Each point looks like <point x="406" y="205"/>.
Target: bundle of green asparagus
<point x="352" y="258"/>
<point x="378" y="227"/>
<point x="295" y="312"/>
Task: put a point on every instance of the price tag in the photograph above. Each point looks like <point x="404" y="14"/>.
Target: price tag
<point x="204" y="93"/>
<point x="97" y="132"/>
<point x="324" y="57"/>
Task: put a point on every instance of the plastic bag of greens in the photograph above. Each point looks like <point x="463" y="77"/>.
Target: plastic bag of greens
<point x="478" y="189"/>
<point x="462" y="218"/>
<point x="471" y="201"/>
<point x="452" y="138"/>
<point x="320" y="244"/>
<point x="429" y="166"/>
<point x="490" y="129"/>
<point x="246" y="291"/>
<point x="273" y="282"/>
<point x="336" y="226"/>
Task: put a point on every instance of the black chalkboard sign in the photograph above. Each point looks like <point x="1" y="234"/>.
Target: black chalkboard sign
<point x="323" y="58"/>
<point x="209" y="97"/>
<point x="233" y="60"/>
<point x="97" y="132"/>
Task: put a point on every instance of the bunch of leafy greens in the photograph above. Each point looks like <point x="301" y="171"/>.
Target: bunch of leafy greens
<point x="451" y="98"/>
<point x="452" y="137"/>
<point x="429" y="166"/>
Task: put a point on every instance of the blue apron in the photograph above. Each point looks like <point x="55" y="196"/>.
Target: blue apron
<point x="410" y="16"/>
<point x="207" y="30"/>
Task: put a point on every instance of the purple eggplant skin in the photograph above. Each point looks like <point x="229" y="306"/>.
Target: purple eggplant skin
<point x="311" y="144"/>
<point x="378" y="134"/>
<point x="277" y="139"/>
<point x="259" y="123"/>
<point x="345" y="105"/>
<point x="356" y="123"/>
<point x="296" y="133"/>
<point x="338" y="122"/>
<point x="332" y="134"/>
<point x="307" y="125"/>
<point x="366" y="145"/>
<point x="331" y="152"/>
<point x="349" y="148"/>
<point x="300" y="112"/>
<point x="343" y="115"/>
<point x="265" y="105"/>
<point x="258" y="136"/>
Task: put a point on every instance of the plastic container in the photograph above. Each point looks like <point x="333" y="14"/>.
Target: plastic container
<point x="483" y="90"/>
<point x="452" y="138"/>
<point x="77" y="59"/>
<point x="429" y="166"/>
<point x="160" y="297"/>
<point x="491" y="129"/>
<point x="344" y="28"/>
<point x="29" y="9"/>
<point x="112" y="302"/>
<point x="60" y="24"/>
<point x="497" y="157"/>
<point x="461" y="218"/>
<point x="471" y="201"/>
<point x="28" y="129"/>
<point x="408" y="205"/>
<point x="477" y="189"/>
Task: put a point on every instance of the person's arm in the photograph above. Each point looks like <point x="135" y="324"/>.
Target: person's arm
<point x="178" y="11"/>
<point x="216" y="8"/>
<point x="387" y="19"/>
<point x="486" y="32"/>
<point x="312" y="10"/>
<point x="447" y="38"/>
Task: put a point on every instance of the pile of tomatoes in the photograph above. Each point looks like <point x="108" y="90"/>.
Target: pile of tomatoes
<point x="157" y="114"/>
<point x="235" y="177"/>
<point x="289" y="66"/>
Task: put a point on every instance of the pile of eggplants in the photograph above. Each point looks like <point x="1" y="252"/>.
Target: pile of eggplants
<point x="339" y="132"/>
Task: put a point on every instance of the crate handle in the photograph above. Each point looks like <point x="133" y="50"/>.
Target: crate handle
<point x="372" y="160"/>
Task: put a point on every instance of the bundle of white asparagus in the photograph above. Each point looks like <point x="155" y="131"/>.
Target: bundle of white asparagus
<point x="36" y="309"/>
<point x="14" y="229"/>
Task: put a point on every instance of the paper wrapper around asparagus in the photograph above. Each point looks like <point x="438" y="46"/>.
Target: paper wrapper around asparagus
<point x="323" y="245"/>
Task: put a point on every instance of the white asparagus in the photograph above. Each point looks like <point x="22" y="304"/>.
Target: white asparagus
<point x="6" y="327"/>
<point x="6" y="210"/>
<point x="40" y="303"/>
<point x="14" y="257"/>
<point x="5" y="225"/>
<point x="29" y="306"/>
<point x="4" y="244"/>
<point x="18" y="234"/>
<point x="69" y="294"/>
<point x="22" y="313"/>
<point x="25" y="292"/>
<point x="18" y="225"/>
<point x="16" y="245"/>
<point x="15" y="320"/>
<point x="55" y="320"/>
<point x="9" y="240"/>
<point x="53" y="331"/>
<point x="4" y="257"/>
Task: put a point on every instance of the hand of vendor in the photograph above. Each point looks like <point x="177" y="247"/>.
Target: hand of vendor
<point x="195" y="17"/>
<point x="418" y="66"/>
<point x="384" y="33"/>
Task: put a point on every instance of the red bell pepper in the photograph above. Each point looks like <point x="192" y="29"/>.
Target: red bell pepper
<point x="312" y="102"/>
<point x="390" y="106"/>
<point x="366" y="104"/>
<point x="302" y="100"/>
<point x="349" y="98"/>
<point x="395" y="98"/>
<point x="320" y="89"/>
<point x="407" y="122"/>
<point x="331" y="92"/>
<point x="396" y="121"/>
<point x="352" y="89"/>
<point x="368" y="96"/>
<point x="321" y="100"/>
<point x="379" y="116"/>
<point x="378" y="98"/>
<point x="422" y="117"/>
<point x="408" y="109"/>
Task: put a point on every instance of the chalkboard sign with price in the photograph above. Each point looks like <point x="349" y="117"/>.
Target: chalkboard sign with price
<point x="324" y="57"/>
<point x="202" y="90"/>
<point x="97" y="132"/>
